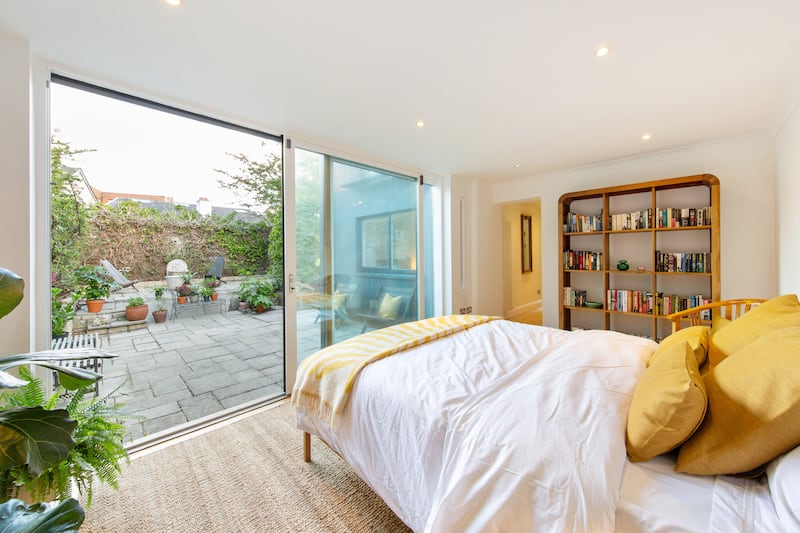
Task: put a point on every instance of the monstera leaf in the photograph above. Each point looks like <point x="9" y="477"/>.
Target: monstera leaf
<point x="35" y="436"/>
<point x="17" y="516"/>
<point x="11" y="291"/>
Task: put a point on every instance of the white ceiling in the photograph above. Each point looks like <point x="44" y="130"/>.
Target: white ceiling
<point x="497" y="83"/>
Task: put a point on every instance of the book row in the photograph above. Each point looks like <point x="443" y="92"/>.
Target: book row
<point x="574" y="297"/>
<point x="683" y="262"/>
<point x="670" y="217"/>
<point x="583" y="260"/>
<point x="630" y="301"/>
<point x="645" y="302"/>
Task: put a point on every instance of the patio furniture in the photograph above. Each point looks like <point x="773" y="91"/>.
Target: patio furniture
<point x="175" y="271"/>
<point x="215" y="270"/>
<point x="87" y="341"/>
<point x="119" y="278"/>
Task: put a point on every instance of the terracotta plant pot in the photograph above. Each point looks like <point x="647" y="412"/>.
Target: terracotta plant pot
<point x="214" y="297"/>
<point x="95" y="306"/>
<point x="181" y="299"/>
<point x="160" y="316"/>
<point x="136" y="312"/>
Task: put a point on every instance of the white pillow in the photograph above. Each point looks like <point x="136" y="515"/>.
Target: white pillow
<point x="783" y="475"/>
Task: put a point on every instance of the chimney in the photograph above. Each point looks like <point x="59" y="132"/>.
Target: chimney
<point x="203" y="206"/>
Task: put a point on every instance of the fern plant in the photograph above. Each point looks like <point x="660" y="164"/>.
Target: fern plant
<point x="98" y="449"/>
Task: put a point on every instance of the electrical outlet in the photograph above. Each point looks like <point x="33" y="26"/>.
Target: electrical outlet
<point x="469" y="310"/>
<point x="462" y="311"/>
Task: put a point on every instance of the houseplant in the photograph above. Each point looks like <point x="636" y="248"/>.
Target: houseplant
<point x="257" y="293"/>
<point x="136" y="308"/>
<point x="96" y="286"/>
<point x="35" y="439"/>
<point x="160" y="314"/>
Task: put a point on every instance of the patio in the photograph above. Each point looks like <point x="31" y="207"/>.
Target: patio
<point x="206" y="358"/>
<point x="182" y="370"/>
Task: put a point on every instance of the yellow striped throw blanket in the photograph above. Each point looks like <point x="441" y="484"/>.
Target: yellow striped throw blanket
<point x="324" y="380"/>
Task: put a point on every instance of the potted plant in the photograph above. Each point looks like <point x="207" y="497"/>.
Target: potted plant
<point x="36" y="440"/>
<point x="258" y="293"/>
<point x="61" y="312"/>
<point x="96" y="286"/>
<point x="194" y="297"/>
<point x="160" y="314"/>
<point x="184" y="291"/>
<point x="136" y="309"/>
<point x="206" y="291"/>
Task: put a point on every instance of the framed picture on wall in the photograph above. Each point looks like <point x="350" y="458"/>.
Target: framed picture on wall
<point x="527" y="255"/>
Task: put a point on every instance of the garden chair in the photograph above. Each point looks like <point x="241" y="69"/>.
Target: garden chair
<point x="215" y="270"/>
<point x="118" y="277"/>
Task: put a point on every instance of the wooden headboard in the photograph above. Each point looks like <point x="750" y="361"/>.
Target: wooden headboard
<point x="730" y="309"/>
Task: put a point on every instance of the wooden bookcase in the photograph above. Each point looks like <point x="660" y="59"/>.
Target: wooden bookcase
<point x="601" y="248"/>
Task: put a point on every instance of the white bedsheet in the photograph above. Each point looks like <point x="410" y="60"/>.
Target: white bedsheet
<point x="656" y="499"/>
<point x="501" y="427"/>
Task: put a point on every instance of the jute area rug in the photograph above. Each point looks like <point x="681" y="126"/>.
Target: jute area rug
<point x="246" y="476"/>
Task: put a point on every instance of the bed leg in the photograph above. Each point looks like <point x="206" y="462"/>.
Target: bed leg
<point x="307" y="446"/>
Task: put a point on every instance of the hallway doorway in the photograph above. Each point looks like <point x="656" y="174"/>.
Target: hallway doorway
<point x="522" y="261"/>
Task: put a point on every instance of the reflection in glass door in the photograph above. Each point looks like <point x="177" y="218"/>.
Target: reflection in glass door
<point x="357" y="248"/>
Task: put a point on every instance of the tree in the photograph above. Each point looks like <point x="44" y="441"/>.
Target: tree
<point x="69" y="216"/>
<point x="259" y="184"/>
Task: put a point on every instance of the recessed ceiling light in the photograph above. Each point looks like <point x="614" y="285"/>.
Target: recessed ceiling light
<point x="420" y="124"/>
<point x="602" y="51"/>
<point x="646" y="137"/>
<point x="173" y="2"/>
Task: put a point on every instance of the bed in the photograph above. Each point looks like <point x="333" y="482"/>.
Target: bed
<point x="500" y="426"/>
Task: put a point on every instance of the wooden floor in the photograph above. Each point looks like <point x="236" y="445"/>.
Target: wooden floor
<point x="528" y="317"/>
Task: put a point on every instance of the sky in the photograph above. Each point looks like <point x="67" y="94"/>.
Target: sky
<point x="141" y="150"/>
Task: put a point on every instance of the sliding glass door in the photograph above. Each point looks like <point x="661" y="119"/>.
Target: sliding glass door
<point x="357" y="248"/>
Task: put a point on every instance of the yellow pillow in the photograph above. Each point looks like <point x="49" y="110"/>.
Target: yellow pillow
<point x="753" y="408"/>
<point x="696" y="336"/>
<point x="780" y="312"/>
<point x="717" y="323"/>
<point x="668" y="404"/>
<point x="390" y="306"/>
<point x="339" y="299"/>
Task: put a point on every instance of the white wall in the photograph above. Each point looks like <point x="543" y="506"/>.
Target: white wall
<point x="15" y="164"/>
<point x="787" y="169"/>
<point x="747" y="192"/>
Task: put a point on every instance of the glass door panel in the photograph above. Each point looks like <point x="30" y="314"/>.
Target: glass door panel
<point x="356" y="249"/>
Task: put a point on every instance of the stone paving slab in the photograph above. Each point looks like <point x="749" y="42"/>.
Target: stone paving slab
<point x="173" y="373"/>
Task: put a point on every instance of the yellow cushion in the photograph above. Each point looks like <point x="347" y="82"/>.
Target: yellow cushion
<point x="668" y="404"/>
<point x="753" y="407"/>
<point x="339" y="300"/>
<point x="696" y="336"/>
<point x="780" y="312"/>
<point x="390" y="306"/>
<point x="717" y="323"/>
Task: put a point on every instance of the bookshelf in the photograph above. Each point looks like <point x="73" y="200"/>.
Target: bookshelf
<point x="668" y="233"/>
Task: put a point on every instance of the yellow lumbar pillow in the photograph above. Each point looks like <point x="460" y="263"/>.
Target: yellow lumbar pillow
<point x="753" y="408"/>
<point x="668" y="404"/>
<point x="696" y="336"/>
<point x="390" y="306"/>
<point x="780" y="312"/>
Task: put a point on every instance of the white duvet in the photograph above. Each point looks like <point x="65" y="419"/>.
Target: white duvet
<point x="501" y="427"/>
